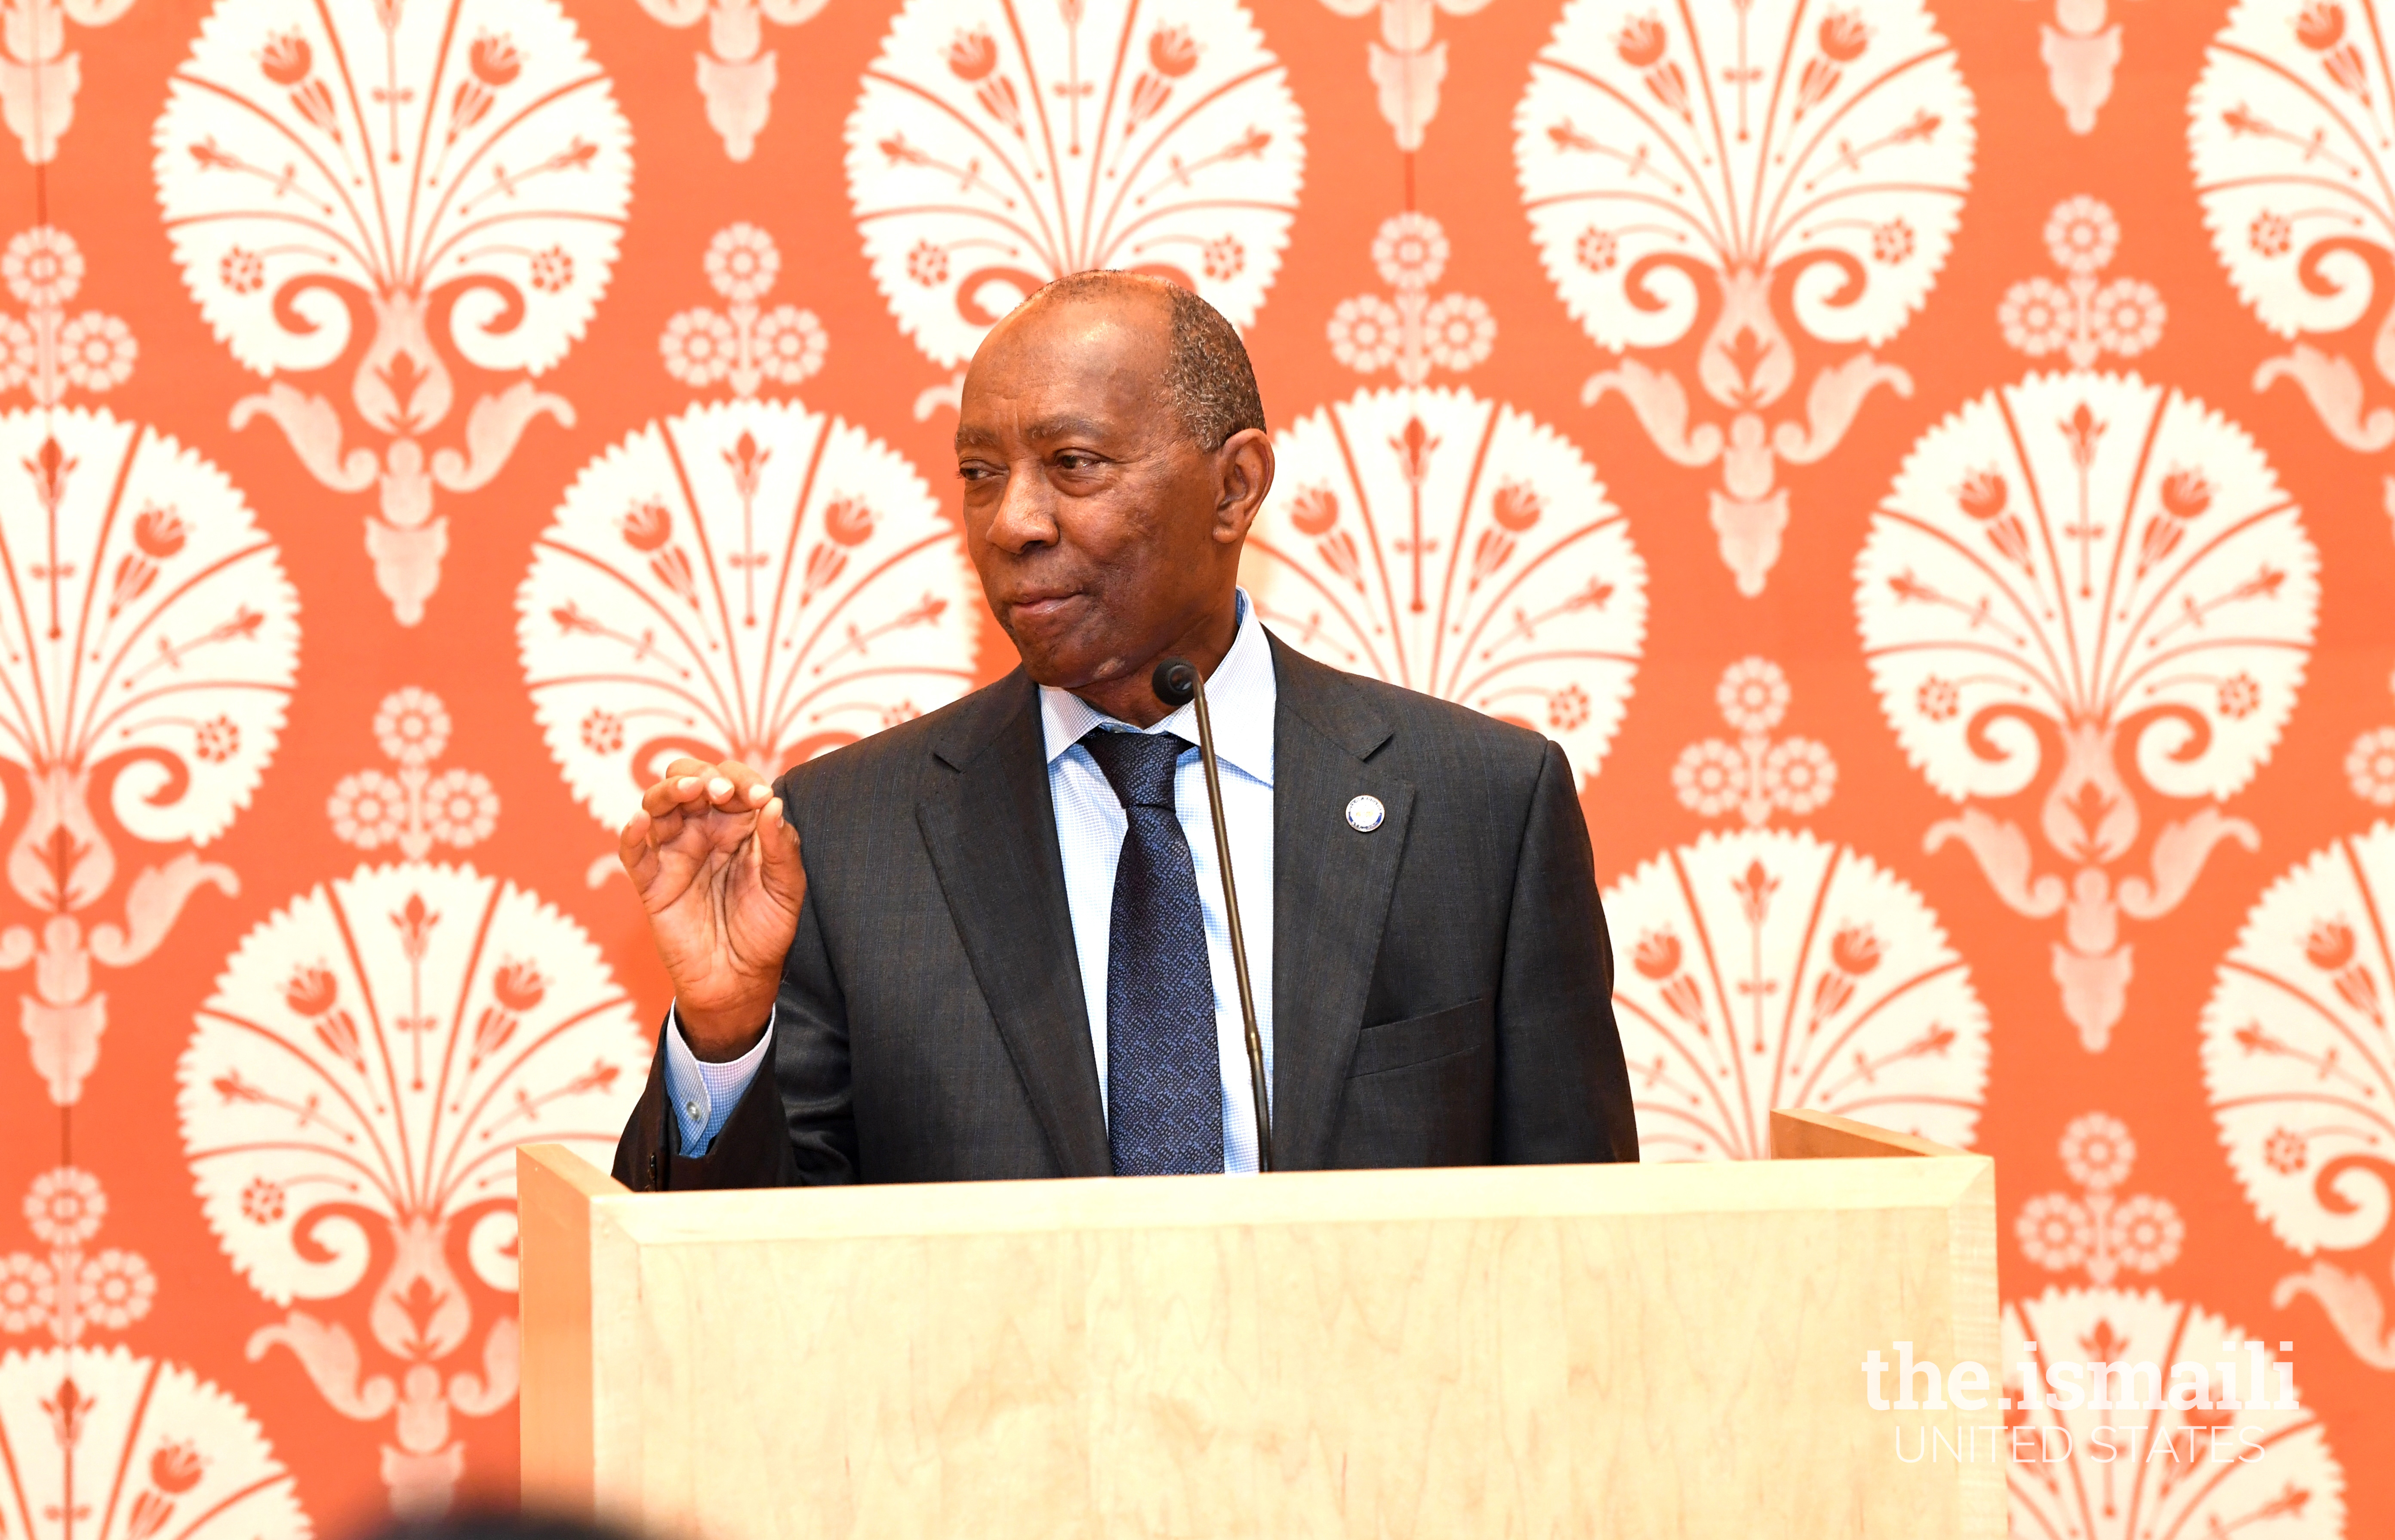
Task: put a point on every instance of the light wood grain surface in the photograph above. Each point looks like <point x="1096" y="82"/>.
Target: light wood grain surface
<point x="1645" y="1350"/>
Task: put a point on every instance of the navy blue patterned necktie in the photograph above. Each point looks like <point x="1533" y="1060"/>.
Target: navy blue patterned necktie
<point x="1164" y="1075"/>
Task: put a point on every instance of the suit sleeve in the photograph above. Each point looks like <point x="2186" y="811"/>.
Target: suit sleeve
<point x="793" y="1127"/>
<point x="1563" y="1090"/>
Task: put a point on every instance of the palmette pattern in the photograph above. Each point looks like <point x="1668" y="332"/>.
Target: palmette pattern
<point x="105" y="1445"/>
<point x="751" y="581"/>
<point x="2292" y="132"/>
<point x="350" y="1101"/>
<point x="1773" y="241"/>
<point x="1790" y="177"/>
<point x="996" y="146"/>
<point x="2094" y="586"/>
<point x="1457" y="546"/>
<point x="148" y="640"/>
<point x="1769" y="969"/>
<point x="2298" y="1063"/>
<point x="2122" y="1473"/>
<point x="419" y="197"/>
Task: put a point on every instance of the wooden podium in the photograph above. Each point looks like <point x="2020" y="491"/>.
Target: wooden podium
<point x="1642" y="1351"/>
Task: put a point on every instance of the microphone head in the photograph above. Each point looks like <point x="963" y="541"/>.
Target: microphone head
<point x="1175" y="682"/>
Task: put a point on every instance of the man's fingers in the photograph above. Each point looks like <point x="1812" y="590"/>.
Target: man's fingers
<point x="633" y="849"/>
<point x="674" y="790"/>
<point x="736" y="787"/>
<point x="779" y="865"/>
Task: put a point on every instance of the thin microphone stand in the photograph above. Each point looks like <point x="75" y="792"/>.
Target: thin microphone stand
<point x="1176" y="682"/>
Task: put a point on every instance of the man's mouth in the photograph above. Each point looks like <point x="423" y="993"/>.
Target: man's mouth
<point x="1040" y="604"/>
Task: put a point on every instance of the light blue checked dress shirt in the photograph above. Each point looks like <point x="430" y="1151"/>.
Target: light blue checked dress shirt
<point x="1090" y="828"/>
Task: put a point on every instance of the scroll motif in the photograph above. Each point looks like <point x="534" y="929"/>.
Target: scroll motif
<point x="2090" y="591"/>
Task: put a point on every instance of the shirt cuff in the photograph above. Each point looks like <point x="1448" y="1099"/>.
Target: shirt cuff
<point x="704" y="1094"/>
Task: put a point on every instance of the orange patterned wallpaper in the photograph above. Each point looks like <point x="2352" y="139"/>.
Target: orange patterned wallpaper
<point x="1929" y="463"/>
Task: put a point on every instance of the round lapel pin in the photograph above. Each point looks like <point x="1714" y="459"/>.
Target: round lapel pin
<point x="1364" y="814"/>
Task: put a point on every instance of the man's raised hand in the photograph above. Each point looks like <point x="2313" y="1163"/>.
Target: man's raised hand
<point x="716" y="868"/>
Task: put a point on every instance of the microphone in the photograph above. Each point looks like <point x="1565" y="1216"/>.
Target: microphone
<point x="1176" y="683"/>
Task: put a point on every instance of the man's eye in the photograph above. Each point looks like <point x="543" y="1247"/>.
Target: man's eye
<point x="1073" y="459"/>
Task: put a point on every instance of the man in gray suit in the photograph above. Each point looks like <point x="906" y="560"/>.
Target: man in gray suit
<point x="1005" y="954"/>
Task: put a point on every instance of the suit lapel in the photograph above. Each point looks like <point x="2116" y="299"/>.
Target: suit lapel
<point x="990" y="826"/>
<point x="1330" y="892"/>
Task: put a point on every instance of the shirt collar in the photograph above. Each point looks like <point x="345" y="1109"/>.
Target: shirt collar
<point x="1240" y="693"/>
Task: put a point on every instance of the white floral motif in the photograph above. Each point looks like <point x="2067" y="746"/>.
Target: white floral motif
<point x="1458" y="546"/>
<point x="1793" y="174"/>
<point x="1756" y="775"/>
<point x="2108" y="1470"/>
<point x="156" y="638"/>
<point x="38" y="79"/>
<point x="996" y="147"/>
<point x="736" y="73"/>
<point x="351" y="1097"/>
<point x="369" y="196"/>
<point x="48" y="351"/>
<point x="1768" y="969"/>
<point x="411" y="807"/>
<point x="749" y="580"/>
<point x="2098" y="1229"/>
<point x="2290" y="128"/>
<point x="2370" y="764"/>
<point x="750" y="345"/>
<point x="2080" y="317"/>
<point x="2087" y="577"/>
<point x="2080" y="47"/>
<point x="2297" y="1060"/>
<point x="69" y="1290"/>
<point x="1410" y="331"/>
<point x="1407" y="64"/>
<point x="184" y="1460"/>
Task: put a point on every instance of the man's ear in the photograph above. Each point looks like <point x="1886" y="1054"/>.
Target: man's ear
<point x="1245" y="467"/>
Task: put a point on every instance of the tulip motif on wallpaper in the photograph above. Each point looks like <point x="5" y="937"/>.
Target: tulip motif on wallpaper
<point x="39" y="78"/>
<point x="155" y="637"/>
<point x="80" y="1421"/>
<point x="1778" y="180"/>
<point x="2174" y="1483"/>
<point x="47" y="350"/>
<point x="2087" y="603"/>
<point x="736" y="72"/>
<point x="751" y="580"/>
<point x="1458" y="546"/>
<point x="1768" y="968"/>
<point x="104" y="1444"/>
<point x="996" y="147"/>
<point x="350" y="1101"/>
<point x="2298" y="1063"/>
<point x="2291" y="131"/>
<point x="409" y="210"/>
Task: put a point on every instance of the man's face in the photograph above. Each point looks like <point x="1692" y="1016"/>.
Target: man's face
<point x="1102" y="532"/>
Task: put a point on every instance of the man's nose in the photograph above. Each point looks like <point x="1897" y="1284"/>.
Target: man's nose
<point x="1024" y="518"/>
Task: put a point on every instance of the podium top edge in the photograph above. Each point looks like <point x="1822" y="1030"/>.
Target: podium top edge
<point x="1300" y="1198"/>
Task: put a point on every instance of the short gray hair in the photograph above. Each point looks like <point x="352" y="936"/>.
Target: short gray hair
<point x="1208" y="380"/>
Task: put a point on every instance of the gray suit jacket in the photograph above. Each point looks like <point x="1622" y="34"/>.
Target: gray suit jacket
<point x="1442" y="986"/>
